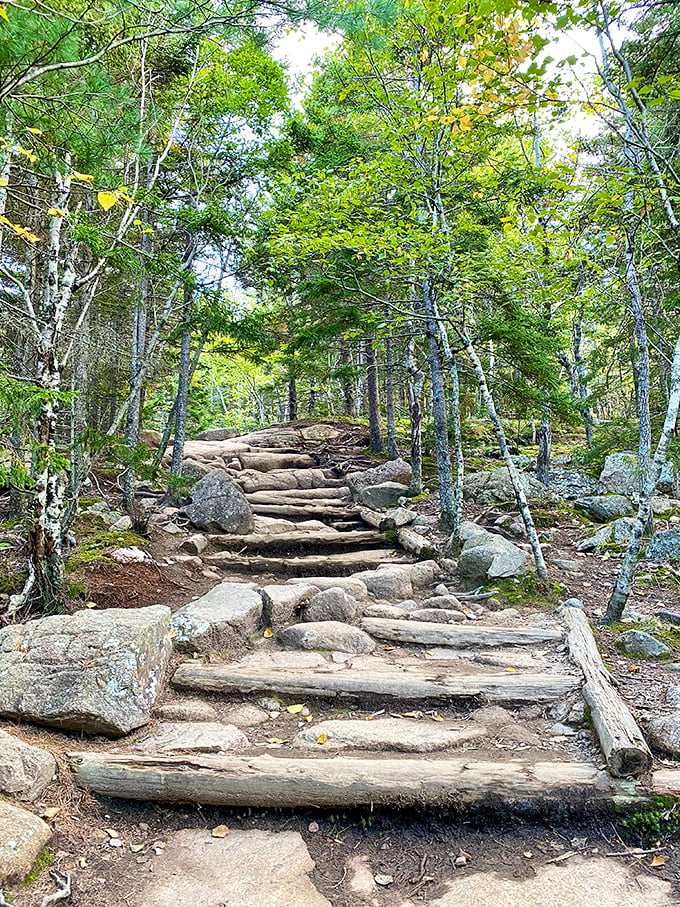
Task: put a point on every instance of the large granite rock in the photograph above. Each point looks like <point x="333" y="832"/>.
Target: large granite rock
<point x="353" y="587"/>
<point x="327" y="635"/>
<point x="218" y="620"/>
<point x="570" y="484"/>
<point x="387" y="583"/>
<point x="219" y="505"/>
<point x="664" y="734"/>
<point x="244" y="869"/>
<point x="92" y="671"/>
<point x="486" y="556"/>
<point x="664" y="546"/>
<point x="25" y="770"/>
<point x="617" y="533"/>
<point x="621" y="474"/>
<point x="637" y="642"/>
<point x="493" y="486"/>
<point x="392" y="471"/>
<point x="331" y="604"/>
<point x="217" y="434"/>
<point x="605" y="507"/>
<point x="22" y="838"/>
<point x="383" y="496"/>
<point x="280" y="603"/>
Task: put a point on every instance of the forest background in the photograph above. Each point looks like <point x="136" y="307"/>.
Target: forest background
<point x="427" y="239"/>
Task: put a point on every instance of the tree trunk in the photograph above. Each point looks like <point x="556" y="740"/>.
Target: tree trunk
<point x="544" y="446"/>
<point x="454" y="541"/>
<point x="345" y="379"/>
<point x="441" y="428"/>
<point x="416" y="381"/>
<point x="626" y="575"/>
<point x="183" y="383"/>
<point x="522" y="502"/>
<point x="392" y="450"/>
<point x="375" y="443"/>
<point x="582" y="376"/>
<point x="292" y="399"/>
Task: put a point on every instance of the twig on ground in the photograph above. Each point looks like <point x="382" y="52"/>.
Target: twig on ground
<point x="63" y="883"/>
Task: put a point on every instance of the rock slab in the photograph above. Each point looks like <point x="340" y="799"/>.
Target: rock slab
<point x="664" y="546"/>
<point x="25" y="770"/>
<point x="329" y="635"/>
<point x="219" y="505"/>
<point x="22" y="838"/>
<point x="402" y="735"/>
<point x="392" y="471"/>
<point x="605" y="507"/>
<point x="244" y="869"/>
<point x="193" y="737"/>
<point x="637" y="642"/>
<point x="98" y="672"/>
<point x="219" y="619"/>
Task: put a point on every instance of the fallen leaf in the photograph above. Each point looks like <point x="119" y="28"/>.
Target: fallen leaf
<point x="388" y="648"/>
<point x="135" y="848"/>
<point x="112" y="833"/>
<point x="511" y="670"/>
<point x="383" y="880"/>
<point x="436" y="717"/>
<point x="633" y="668"/>
<point x="321" y="739"/>
<point x="294" y="709"/>
<point x="657" y="861"/>
<point x="82" y="862"/>
<point x="274" y="740"/>
<point x="308" y="718"/>
<point x="268" y="633"/>
<point x="528" y="854"/>
<point x="51" y="812"/>
<point x="220" y="831"/>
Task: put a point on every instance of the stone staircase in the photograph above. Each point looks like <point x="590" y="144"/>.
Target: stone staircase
<point x="368" y="677"/>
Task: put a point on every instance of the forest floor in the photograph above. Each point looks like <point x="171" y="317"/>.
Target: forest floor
<point x="421" y="854"/>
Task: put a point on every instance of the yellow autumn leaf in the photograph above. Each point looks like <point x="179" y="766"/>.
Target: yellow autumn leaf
<point x="57" y="212"/>
<point x="220" y="831"/>
<point x="321" y="739"/>
<point x="462" y="62"/>
<point x="510" y="670"/>
<point x="268" y="633"/>
<point x="294" y="709"/>
<point x="3" y="182"/>
<point x="274" y="740"/>
<point x="3" y="14"/>
<point x="33" y="130"/>
<point x="107" y="199"/>
<point x="436" y="717"/>
<point x="658" y="861"/>
<point x="85" y="177"/>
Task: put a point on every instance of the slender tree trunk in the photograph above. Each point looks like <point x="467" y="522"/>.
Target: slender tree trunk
<point x="292" y="399"/>
<point x="582" y="376"/>
<point x="544" y="445"/>
<point x="375" y="443"/>
<point x="183" y="384"/>
<point x="311" y="401"/>
<point x="345" y="361"/>
<point x="170" y="421"/>
<point x="361" y="382"/>
<point x="515" y="477"/>
<point x="415" y="390"/>
<point x="392" y="450"/>
<point x="643" y="364"/>
<point x="626" y="575"/>
<point x="441" y="429"/>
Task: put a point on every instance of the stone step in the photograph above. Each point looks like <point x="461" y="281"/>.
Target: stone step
<point x="389" y="683"/>
<point x="309" y="511"/>
<point x="330" y="496"/>
<point x="317" y="540"/>
<point x="433" y="634"/>
<point x="342" y="564"/>
<point x="273" y="781"/>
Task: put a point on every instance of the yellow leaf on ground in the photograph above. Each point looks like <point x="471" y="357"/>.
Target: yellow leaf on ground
<point x="268" y="633"/>
<point x="135" y="848"/>
<point x="436" y="717"/>
<point x="220" y="831"/>
<point x="321" y="739"/>
<point x="658" y="861"/>
<point x="107" y="199"/>
<point x="294" y="709"/>
<point x="511" y="670"/>
<point x="51" y="812"/>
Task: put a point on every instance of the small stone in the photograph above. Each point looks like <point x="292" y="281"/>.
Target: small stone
<point x="195" y="544"/>
<point x="186" y="710"/>
<point x="437" y="615"/>
<point x="563" y="730"/>
<point x="331" y="604"/>
<point x="269" y="705"/>
<point x="326" y="635"/>
<point x="441" y="589"/>
<point x="664" y="733"/>
<point x="122" y="524"/>
<point x="25" y="770"/>
<point x="673" y="695"/>
<point x="383" y="880"/>
<point x="637" y="642"/>
<point x="193" y="737"/>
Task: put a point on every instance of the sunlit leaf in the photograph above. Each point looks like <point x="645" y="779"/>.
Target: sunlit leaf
<point x="107" y="199"/>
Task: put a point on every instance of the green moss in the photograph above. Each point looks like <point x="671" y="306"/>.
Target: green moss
<point x="528" y="589"/>
<point x="657" y="822"/>
<point x="11" y="582"/>
<point x="44" y="861"/>
<point x="95" y="547"/>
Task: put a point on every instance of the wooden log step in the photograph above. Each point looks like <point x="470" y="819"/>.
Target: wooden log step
<point x="388" y="519"/>
<point x="342" y="564"/>
<point x="416" y="544"/>
<point x="397" y="684"/>
<point x="271" y="781"/>
<point x="309" y="511"/>
<point x="286" y="541"/>
<point x="325" y="493"/>
<point x="267" y="462"/>
<point x="621" y="740"/>
<point x="460" y="636"/>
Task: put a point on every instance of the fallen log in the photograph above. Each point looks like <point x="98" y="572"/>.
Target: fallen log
<point x="283" y="496"/>
<point x="460" y="636"/>
<point x="394" y="684"/>
<point x="313" y="539"/>
<point x="304" y="511"/>
<point x="621" y="740"/>
<point x="341" y="564"/>
<point x="416" y="544"/>
<point x="267" y="781"/>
